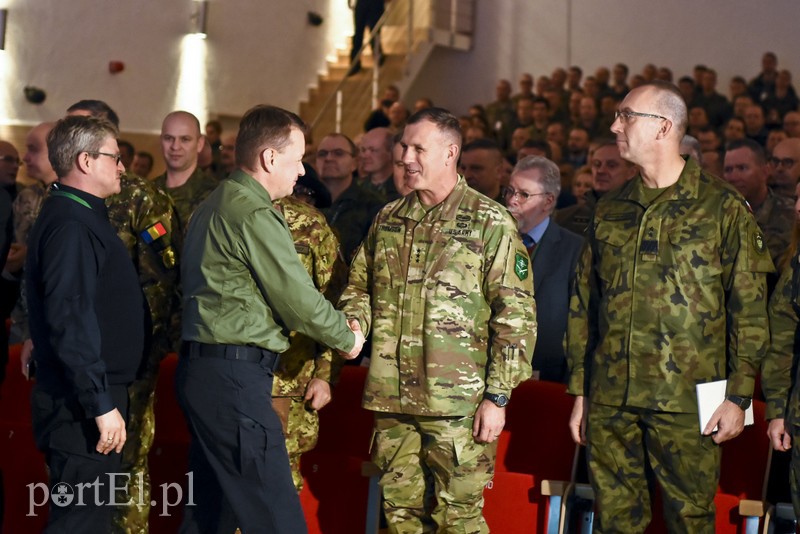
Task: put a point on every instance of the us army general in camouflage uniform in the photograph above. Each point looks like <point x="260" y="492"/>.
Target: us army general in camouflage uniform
<point x="301" y="385"/>
<point x="782" y="388"/>
<point x="144" y="219"/>
<point x="444" y="283"/>
<point x="670" y="292"/>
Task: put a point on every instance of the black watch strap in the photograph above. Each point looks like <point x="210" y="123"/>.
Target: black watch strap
<point x="741" y="402"/>
<point x="500" y="400"/>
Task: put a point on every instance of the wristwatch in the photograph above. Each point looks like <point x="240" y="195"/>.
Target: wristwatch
<point x="741" y="402"/>
<point x="500" y="400"/>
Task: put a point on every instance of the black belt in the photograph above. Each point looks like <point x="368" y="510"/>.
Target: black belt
<point x="267" y="358"/>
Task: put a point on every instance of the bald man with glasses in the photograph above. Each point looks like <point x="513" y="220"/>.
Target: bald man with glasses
<point x="670" y="292"/>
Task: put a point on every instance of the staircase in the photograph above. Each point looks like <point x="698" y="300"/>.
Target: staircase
<point x="410" y="30"/>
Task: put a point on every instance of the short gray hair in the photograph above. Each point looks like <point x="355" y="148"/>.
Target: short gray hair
<point x="670" y="102"/>
<point x="691" y="146"/>
<point x="74" y="135"/>
<point x="550" y="175"/>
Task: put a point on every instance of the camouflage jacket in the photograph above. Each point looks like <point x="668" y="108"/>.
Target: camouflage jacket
<point x="448" y="296"/>
<point x="576" y="218"/>
<point x="318" y="250"/>
<point x="188" y="196"/>
<point x="145" y="221"/>
<point x="781" y="392"/>
<point x="386" y="190"/>
<point x="668" y="294"/>
<point x="26" y="208"/>
<point x="350" y="216"/>
<point x="776" y="216"/>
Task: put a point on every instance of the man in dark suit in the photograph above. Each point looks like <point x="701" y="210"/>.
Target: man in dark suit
<point x="531" y="197"/>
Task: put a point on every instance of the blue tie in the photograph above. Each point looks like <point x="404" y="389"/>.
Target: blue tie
<point x="529" y="243"/>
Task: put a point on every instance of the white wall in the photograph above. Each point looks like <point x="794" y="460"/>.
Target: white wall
<point x="257" y="51"/>
<point x="516" y="36"/>
<point x="264" y="50"/>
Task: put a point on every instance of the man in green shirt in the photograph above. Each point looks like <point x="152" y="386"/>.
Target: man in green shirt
<point x="244" y="291"/>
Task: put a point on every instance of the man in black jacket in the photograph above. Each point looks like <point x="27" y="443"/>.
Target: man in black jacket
<point x="88" y="323"/>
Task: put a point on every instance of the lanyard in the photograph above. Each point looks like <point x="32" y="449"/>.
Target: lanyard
<point x="70" y="196"/>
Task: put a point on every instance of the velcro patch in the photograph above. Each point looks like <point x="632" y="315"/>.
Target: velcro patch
<point x="153" y="233"/>
<point x="521" y="265"/>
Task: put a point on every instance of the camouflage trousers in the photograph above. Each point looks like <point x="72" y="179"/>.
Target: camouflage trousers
<point x="433" y="473"/>
<point x="300" y="428"/>
<point x="628" y="447"/>
<point x="134" y="518"/>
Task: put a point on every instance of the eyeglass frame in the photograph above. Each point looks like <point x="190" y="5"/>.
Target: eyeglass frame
<point x="625" y="115"/>
<point x="781" y="162"/>
<point x="521" y="196"/>
<point x="336" y="152"/>
<point x="117" y="157"/>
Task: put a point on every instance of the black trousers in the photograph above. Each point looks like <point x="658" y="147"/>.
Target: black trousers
<point x="238" y="454"/>
<point x="68" y="440"/>
<point x="366" y="14"/>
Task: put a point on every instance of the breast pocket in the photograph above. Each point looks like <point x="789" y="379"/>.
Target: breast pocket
<point x="612" y="244"/>
<point x="693" y="252"/>
<point x="455" y="274"/>
<point x="691" y="264"/>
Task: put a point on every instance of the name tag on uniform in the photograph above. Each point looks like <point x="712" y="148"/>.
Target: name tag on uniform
<point x="462" y="232"/>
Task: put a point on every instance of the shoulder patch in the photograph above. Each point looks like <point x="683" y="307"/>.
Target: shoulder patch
<point x="521" y="265"/>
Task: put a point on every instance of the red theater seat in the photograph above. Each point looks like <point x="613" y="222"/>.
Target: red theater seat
<point x="534" y="446"/>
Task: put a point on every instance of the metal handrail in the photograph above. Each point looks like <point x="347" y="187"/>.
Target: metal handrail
<point x="337" y="91"/>
<point x="416" y="20"/>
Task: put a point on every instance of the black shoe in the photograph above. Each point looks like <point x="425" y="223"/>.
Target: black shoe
<point x="355" y="68"/>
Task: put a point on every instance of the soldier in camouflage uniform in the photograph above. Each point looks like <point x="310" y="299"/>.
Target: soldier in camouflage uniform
<point x="779" y="385"/>
<point x="670" y="293"/>
<point x="302" y="382"/>
<point x="144" y="219"/>
<point x="609" y="171"/>
<point x="443" y="282"/>
<point x="184" y="181"/>
<point x="26" y="208"/>
<point x="745" y="168"/>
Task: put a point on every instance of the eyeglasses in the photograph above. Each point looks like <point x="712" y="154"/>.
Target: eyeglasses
<point x="522" y="197"/>
<point x="368" y="150"/>
<point x="625" y="116"/>
<point x="116" y="157"/>
<point x="336" y="152"/>
<point x="785" y="162"/>
<point x="11" y="159"/>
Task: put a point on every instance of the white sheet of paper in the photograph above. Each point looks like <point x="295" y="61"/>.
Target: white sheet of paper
<point x="709" y="396"/>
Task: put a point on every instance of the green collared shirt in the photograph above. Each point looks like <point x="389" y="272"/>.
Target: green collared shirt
<point x="243" y="282"/>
